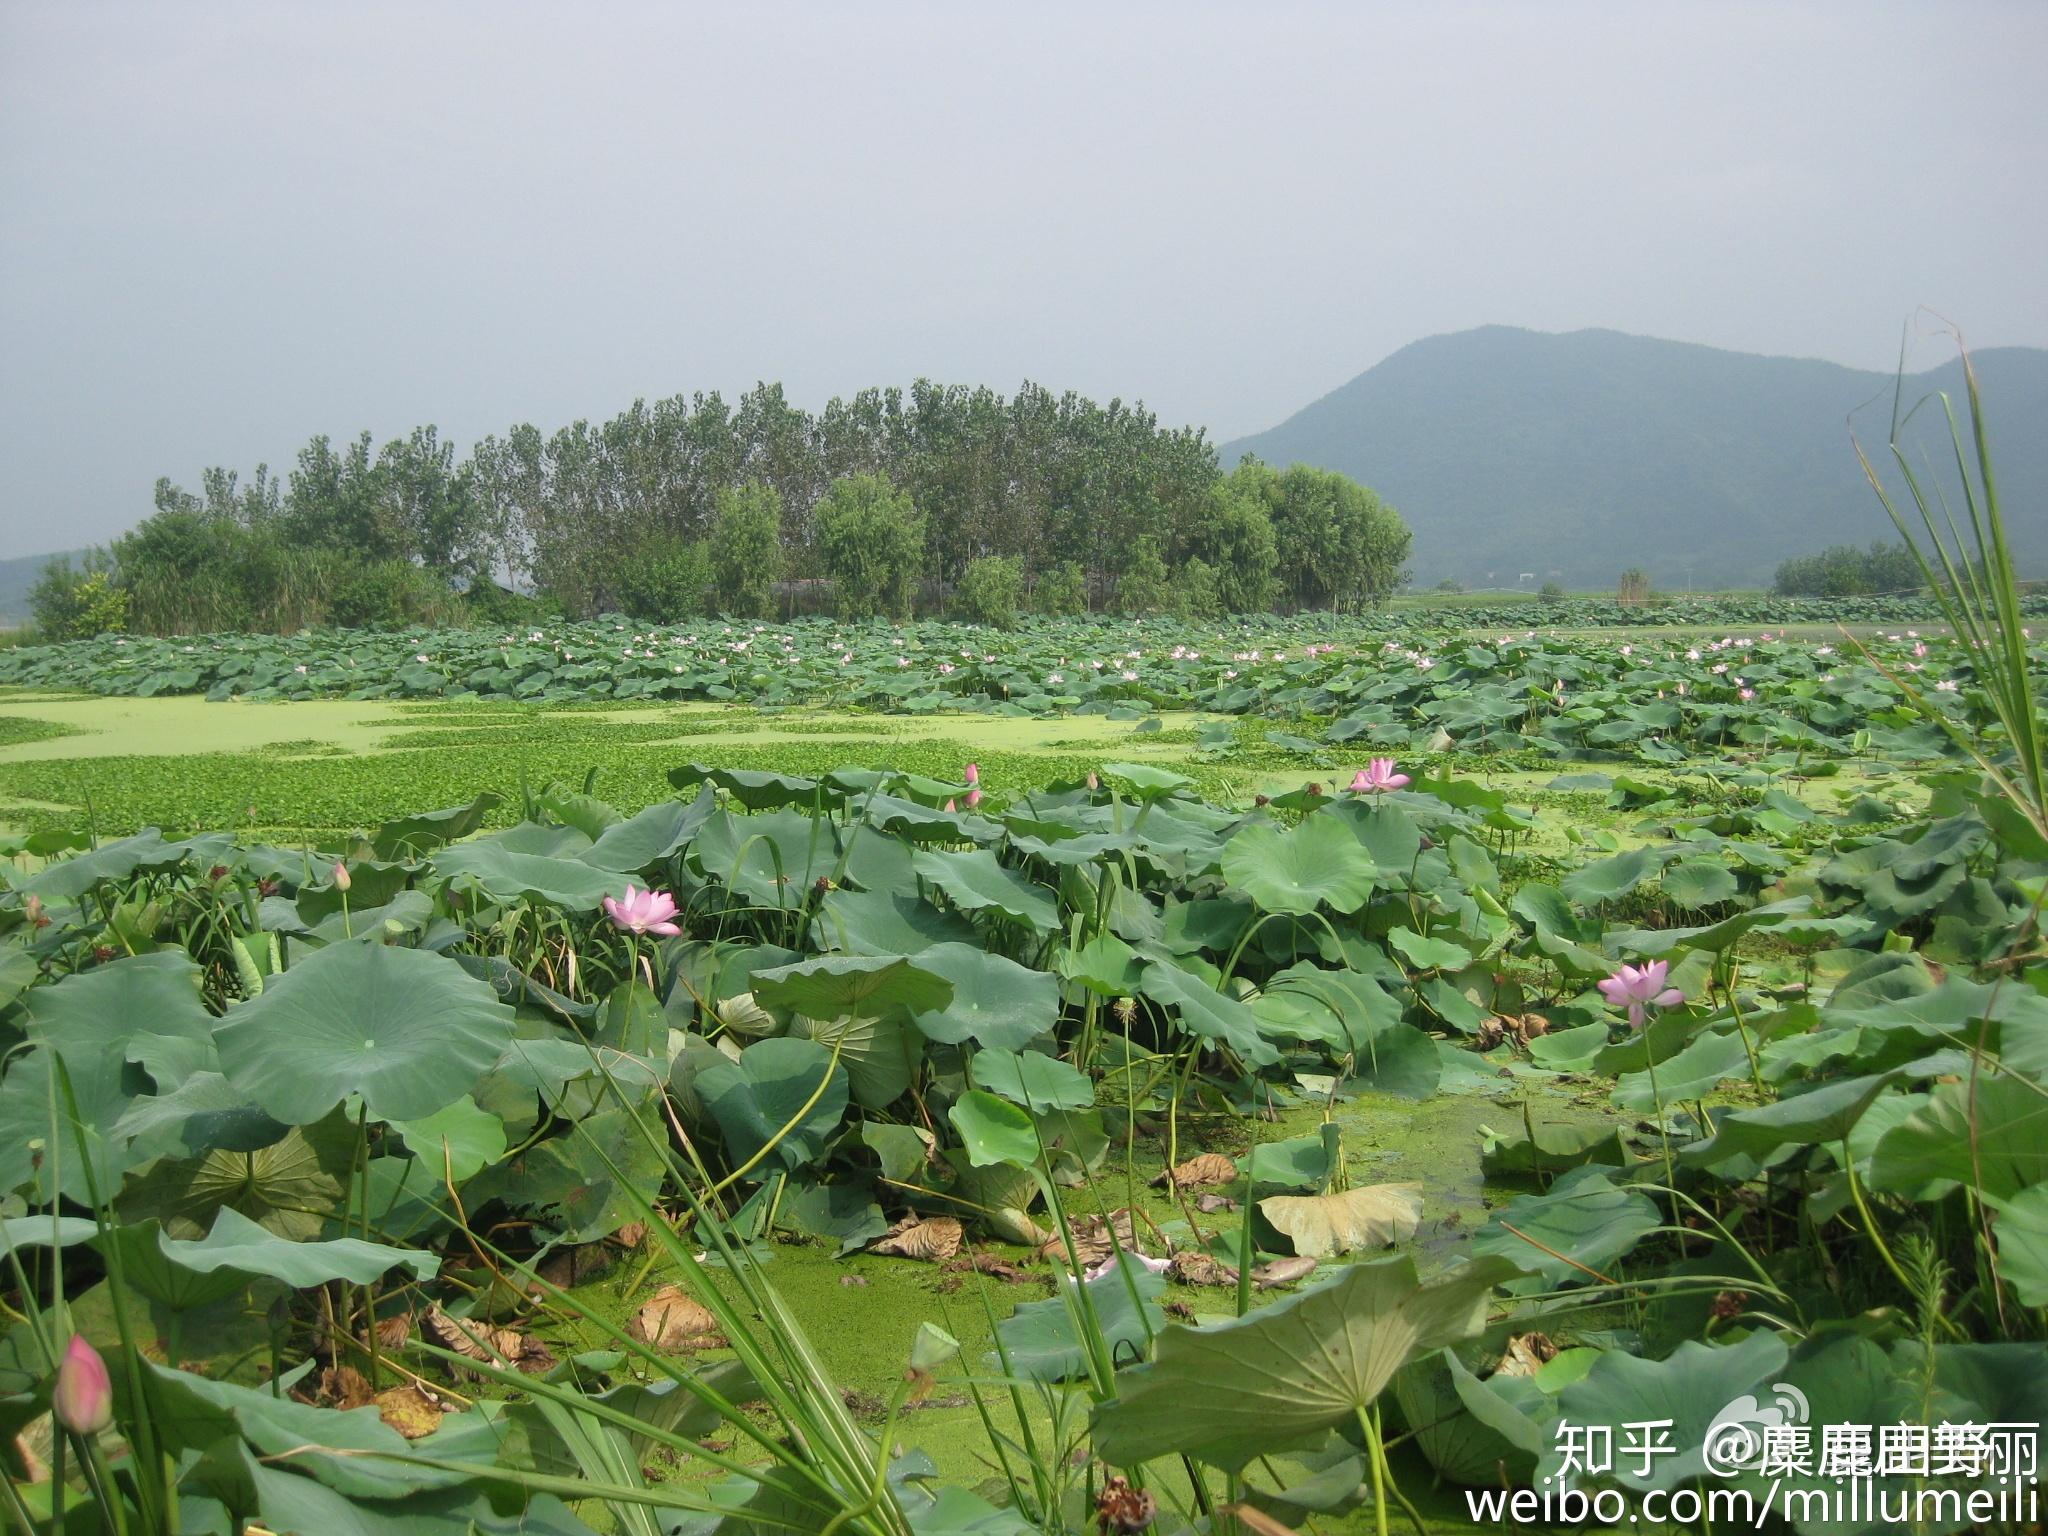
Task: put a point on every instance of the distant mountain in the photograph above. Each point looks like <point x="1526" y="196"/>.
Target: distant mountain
<point x="1575" y="456"/>
<point x="17" y="577"/>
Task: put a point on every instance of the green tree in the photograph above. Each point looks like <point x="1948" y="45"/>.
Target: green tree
<point x="1194" y="592"/>
<point x="746" y="550"/>
<point x="1235" y="538"/>
<point x="1142" y="588"/>
<point x="1634" y="590"/>
<point x="667" y="582"/>
<point x="70" y="603"/>
<point x="990" y="590"/>
<point x="871" y="544"/>
<point x="1062" y="591"/>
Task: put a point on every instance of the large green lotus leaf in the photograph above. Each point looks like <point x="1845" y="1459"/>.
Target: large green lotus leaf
<point x="1991" y="1136"/>
<point x="1033" y="1079"/>
<point x="757" y="791"/>
<point x="405" y="914"/>
<point x="1688" y="1390"/>
<point x="353" y="1452"/>
<point x="1953" y="1009"/>
<point x="289" y="1187"/>
<point x="1611" y="879"/>
<point x="773" y="859"/>
<point x="996" y="1003"/>
<point x="1826" y="1114"/>
<point x="39" y="1131"/>
<point x="1426" y="952"/>
<point x="372" y="883"/>
<point x="505" y="874"/>
<point x="2022" y="1232"/>
<point x="1695" y="883"/>
<point x="886" y="923"/>
<point x="183" y="1274"/>
<point x="1105" y="965"/>
<point x="456" y="1140"/>
<point x="862" y="986"/>
<point x="992" y="1130"/>
<point x="846" y="1213"/>
<point x="416" y="834"/>
<point x="408" y="1030"/>
<point x="1231" y="1391"/>
<point x="1552" y="1147"/>
<point x="1693" y="1073"/>
<point x="919" y="823"/>
<point x="69" y="879"/>
<point x="1151" y="783"/>
<point x="880" y="1055"/>
<point x="204" y="1113"/>
<point x="1040" y="1338"/>
<point x="570" y="1177"/>
<point x="586" y="813"/>
<point x="1582" y="1223"/>
<point x="656" y="834"/>
<point x="1207" y="1013"/>
<point x="786" y="1088"/>
<point x="1318" y="863"/>
<point x="976" y="882"/>
<point x="96" y="1012"/>
<point x="1461" y="1446"/>
<point x="1403" y="1062"/>
<point x="286" y="1501"/>
<point x="1345" y="1010"/>
<point x="1390" y="835"/>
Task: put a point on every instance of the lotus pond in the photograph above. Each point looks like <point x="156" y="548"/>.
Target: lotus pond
<point x="439" y="1109"/>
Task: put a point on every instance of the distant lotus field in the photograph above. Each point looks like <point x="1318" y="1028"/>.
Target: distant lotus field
<point x="1470" y="679"/>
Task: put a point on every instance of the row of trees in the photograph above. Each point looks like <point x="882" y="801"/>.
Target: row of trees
<point x="890" y="503"/>
<point x="1846" y="571"/>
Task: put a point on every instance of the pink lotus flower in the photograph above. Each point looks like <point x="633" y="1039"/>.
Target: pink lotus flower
<point x="1641" y="988"/>
<point x="641" y="911"/>
<point x="1378" y="778"/>
<point x="973" y="774"/>
<point x="341" y="879"/>
<point x="973" y="798"/>
<point x="83" y="1399"/>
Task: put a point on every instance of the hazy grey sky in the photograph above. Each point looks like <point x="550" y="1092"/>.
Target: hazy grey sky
<point x="226" y="227"/>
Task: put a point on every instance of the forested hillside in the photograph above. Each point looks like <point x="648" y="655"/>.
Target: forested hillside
<point x="1571" y="457"/>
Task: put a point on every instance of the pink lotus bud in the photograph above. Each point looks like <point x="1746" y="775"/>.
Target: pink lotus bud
<point x="973" y="798"/>
<point x="951" y="807"/>
<point x="83" y="1399"/>
<point x="973" y="774"/>
<point x="341" y="879"/>
<point x="1093" y="783"/>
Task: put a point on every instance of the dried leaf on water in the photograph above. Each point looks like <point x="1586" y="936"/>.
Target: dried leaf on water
<point x="1200" y="1172"/>
<point x="480" y="1341"/>
<point x="990" y="1264"/>
<point x="1092" y="1240"/>
<point x="338" y="1386"/>
<point x="1282" y="1272"/>
<point x="674" y="1319"/>
<point x="409" y="1411"/>
<point x="931" y="1238"/>
<point x="576" y="1264"/>
<point x="1370" y="1216"/>
<point x="1526" y="1354"/>
<point x="1193" y="1267"/>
